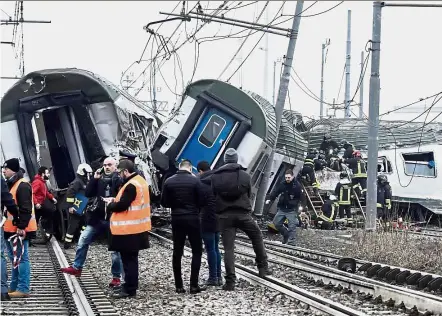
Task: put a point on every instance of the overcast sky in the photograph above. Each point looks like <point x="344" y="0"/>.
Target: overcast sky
<point x="107" y="37"/>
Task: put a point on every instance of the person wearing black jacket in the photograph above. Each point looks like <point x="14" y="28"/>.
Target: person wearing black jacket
<point x="76" y="188"/>
<point x="105" y="183"/>
<point x="290" y="194"/>
<point x="232" y="188"/>
<point x="210" y="232"/>
<point x="8" y="202"/>
<point x="184" y="194"/>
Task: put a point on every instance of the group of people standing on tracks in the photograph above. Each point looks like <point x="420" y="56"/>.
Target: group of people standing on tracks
<point x="117" y="199"/>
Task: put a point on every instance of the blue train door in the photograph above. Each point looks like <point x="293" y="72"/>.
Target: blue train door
<point x="208" y="137"/>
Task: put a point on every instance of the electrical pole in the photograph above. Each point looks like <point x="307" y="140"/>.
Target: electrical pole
<point x="274" y="82"/>
<point x="266" y="61"/>
<point x="347" y="67"/>
<point x="279" y="107"/>
<point x="361" y="88"/>
<point x="373" y="116"/>
<point x="321" y="103"/>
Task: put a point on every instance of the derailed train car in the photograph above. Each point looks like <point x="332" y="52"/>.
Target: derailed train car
<point x="409" y="155"/>
<point x="212" y="116"/>
<point x="61" y="117"/>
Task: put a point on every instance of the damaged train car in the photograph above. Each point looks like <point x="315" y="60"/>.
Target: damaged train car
<point x="213" y="116"/>
<point x="409" y="154"/>
<point x="60" y="118"/>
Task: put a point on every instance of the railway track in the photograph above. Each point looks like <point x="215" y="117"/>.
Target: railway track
<point x="55" y="293"/>
<point x="313" y="301"/>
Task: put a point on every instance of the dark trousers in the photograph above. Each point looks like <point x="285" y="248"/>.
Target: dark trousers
<point x="182" y="227"/>
<point x="310" y="172"/>
<point x="74" y="223"/>
<point x="229" y="223"/>
<point x="130" y="267"/>
<point x="360" y="186"/>
<point x="45" y="213"/>
<point x="347" y="209"/>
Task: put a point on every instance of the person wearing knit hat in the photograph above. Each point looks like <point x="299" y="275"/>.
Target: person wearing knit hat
<point x="23" y="225"/>
<point x="231" y="185"/>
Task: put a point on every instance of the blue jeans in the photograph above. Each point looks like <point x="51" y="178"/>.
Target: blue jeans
<point x="21" y="276"/>
<point x="4" y="272"/>
<point x="292" y="218"/>
<point x="87" y="237"/>
<point x="211" y="242"/>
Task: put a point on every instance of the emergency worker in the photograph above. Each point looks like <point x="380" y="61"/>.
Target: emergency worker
<point x="7" y="202"/>
<point x="130" y="224"/>
<point x="348" y="149"/>
<point x="232" y="188"/>
<point x="359" y="169"/>
<point x="309" y="167"/>
<point x="328" y="214"/>
<point x="328" y="145"/>
<point x="288" y="204"/>
<point x="320" y="162"/>
<point x="43" y="201"/>
<point x="343" y="192"/>
<point x="185" y="195"/>
<point x="23" y="225"/>
<point x="76" y="201"/>
<point x="105" y="183"/>
<point x="383" y="197"/>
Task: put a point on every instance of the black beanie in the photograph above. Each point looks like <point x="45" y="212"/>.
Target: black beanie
<point x="12" y="164"/>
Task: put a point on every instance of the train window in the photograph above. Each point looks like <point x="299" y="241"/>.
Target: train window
<point x="255" y="165"/>
<point x="212" y="130"/>
<point x="419" y="164"/>
<point x="384" y="165"/>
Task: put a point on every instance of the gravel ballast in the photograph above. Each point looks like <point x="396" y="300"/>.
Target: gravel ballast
<point x="156" y="294"/>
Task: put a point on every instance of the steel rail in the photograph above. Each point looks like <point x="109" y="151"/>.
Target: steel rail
<point x="314" y="301"/>
<point x="410" y="298"/>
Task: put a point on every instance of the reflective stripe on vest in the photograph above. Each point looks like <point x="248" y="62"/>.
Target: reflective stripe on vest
<point x="137" y="217"/>
<point x="329" y="219"/>
<point x="309" y="162"/>
<point x="359" y="173"/>
<point x="341" y="195"/>
<point x="9" y="226"/>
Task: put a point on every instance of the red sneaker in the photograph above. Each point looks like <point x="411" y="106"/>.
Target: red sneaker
<point x="115" y="282"/>
<point x="71" y="271"/>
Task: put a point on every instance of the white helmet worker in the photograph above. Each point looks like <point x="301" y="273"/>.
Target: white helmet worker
<point x="84" y="169"/>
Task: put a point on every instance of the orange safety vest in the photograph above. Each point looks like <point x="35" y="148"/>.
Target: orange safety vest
<point x="32" y="225"/>
<point x="137" y="217"/>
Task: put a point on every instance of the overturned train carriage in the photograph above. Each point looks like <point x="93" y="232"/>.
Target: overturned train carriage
<point x="213" y="116"/>
<point x="406" y="155"/>
<point x="61" y="117"/>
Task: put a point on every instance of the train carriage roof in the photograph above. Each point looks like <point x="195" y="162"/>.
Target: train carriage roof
<point x="355" y="131"/>
<point x="96" y="88"/>
<point x="290" y="141"/>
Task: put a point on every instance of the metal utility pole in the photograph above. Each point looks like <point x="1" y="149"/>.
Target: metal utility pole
<point x="274" y="80"/>
<point x="266" y="62"/>
<point x="347" y="67"/>
<point x="279" y="107"/>
<point x="321" y="103"/>
<point x="361" y="88"/>
<point x="373" y="127"/>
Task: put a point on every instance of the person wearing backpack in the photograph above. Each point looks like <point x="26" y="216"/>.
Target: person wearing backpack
<point x="232" y="188"/>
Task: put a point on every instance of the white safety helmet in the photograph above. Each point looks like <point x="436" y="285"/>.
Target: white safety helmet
<point x="332" y="198"/>
<point x="83" y="169"/>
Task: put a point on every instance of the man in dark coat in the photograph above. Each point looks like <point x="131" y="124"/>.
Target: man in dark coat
<point x="184" y="194"/>
<point x="131" y="157"/>
<point x="209" y="227"/>
<point x="105" y="183"/>
<point x="132" y="200"/>
<point x="232" y="188"/>
<point x="8" y="202"/>
<point x="290" y="191"/>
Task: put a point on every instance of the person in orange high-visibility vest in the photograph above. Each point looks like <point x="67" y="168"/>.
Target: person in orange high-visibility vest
<point x="129" y="224"/>
<point x="23" y="224"/>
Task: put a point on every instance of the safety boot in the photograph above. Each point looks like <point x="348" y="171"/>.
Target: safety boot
<point x="196" y="289"/>
<point x="264" y="272"/>
<point x="229" y="286"/>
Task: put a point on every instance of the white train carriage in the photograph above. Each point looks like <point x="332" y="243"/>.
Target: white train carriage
<point x="213" y="116"/>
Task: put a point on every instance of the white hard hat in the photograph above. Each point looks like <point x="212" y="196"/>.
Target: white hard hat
<point x="333" y="198"/>
<point x="82" y="168"/>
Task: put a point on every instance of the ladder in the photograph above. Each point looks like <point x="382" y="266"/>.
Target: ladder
<point x="314" y="199"/>
<point x="359" y="204"/>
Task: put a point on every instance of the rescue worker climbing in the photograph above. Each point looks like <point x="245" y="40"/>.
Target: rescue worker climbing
<point x="288" y="204"/>
<point x="76" y="201"/>
<point x="308" y="170"/>
<point x="348" y="149"/>
<point x="359" y="169"/>
<point x="383" y="197"/>
<point x="328" y="215"/>
<point x="343" y="192"/>
<point x="21" y="225"/>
